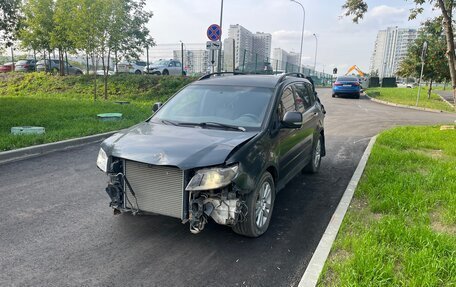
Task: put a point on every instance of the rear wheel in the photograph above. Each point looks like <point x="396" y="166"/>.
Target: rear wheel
<point x="260" y="204"/>
<point x="357" y="95"/>
<point x="165" y="72"/>
<point x="314" y="165"/>
<point x="138" y="72"/>
<point x="333" y="95"/>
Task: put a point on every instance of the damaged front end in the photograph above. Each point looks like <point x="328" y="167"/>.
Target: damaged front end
<point x="205" y="193"/>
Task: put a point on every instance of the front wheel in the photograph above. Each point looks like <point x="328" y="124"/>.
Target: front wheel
<point x="138" y="72"/>
<point x="260" y="204"/>
<point x="314" y="165"/>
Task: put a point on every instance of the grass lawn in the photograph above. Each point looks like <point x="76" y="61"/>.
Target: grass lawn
<point x="64" y="106"/>
<point x="400" y="229"/>
<point x="406" y="96"/>
<point x="62" y="118"/>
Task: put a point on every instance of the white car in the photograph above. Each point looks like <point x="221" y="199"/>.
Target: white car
<point x="135" y="67"/>
<point x="164" y="67"/>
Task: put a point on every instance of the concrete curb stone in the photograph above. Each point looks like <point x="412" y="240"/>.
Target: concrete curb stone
<point x="37" y="150"/>
<point x="315" y="266"/>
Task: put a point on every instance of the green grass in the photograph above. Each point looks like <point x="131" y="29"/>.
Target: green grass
<point x="64" y="106"/>
<point x="400" y="229"/>
<point x="406" y="96"/>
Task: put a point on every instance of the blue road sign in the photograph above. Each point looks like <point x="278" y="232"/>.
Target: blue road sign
<point x="214" y="32"/>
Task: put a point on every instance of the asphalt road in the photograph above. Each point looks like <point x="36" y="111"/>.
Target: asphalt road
<point x="447" y="95"/>
<point x="56" y="228"/>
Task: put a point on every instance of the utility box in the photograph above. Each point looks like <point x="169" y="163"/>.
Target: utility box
<point x="27" y="130"/>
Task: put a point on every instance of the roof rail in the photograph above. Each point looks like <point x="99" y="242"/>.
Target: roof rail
<point x="207" y="76"/>
<point x="298" y="75"/>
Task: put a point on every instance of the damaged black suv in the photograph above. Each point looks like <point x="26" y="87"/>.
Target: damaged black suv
<point x="221" y="148"/>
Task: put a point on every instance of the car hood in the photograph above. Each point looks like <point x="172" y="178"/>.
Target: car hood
<point x="184" y="147"/>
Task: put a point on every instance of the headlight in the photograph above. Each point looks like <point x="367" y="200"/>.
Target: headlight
<point x="212" y="178"/>
<point x="102" y="160"/>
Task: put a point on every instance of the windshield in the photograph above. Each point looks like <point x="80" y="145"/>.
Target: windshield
<point x="161" y="63"/>
<point x="229" y="105"/>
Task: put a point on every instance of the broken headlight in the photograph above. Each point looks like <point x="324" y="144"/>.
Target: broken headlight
<point x="102" y="160"/>
<point x="212" y="178"/>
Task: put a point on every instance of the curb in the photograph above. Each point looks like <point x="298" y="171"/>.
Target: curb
<point x="37" y="150"/>
<point x="407" y="107"/>
<point x="315" y="266"/>
<point x="445" y="100"/>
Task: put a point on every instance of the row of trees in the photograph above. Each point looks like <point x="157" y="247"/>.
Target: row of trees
<point x="101" y="29"/>
<point x="445" y="21"/>
<point x="436" y="65"/>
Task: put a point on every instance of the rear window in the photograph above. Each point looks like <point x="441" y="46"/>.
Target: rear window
<point x="22" y="62"/>
<point x="141" y="63"/>
<point x="347" y="79"/>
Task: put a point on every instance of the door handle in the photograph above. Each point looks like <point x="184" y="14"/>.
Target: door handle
<point x="315" y="114"/>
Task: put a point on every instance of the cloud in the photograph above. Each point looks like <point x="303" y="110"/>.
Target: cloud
<point x="289" y="40"/>
<point x="387" y="11"/>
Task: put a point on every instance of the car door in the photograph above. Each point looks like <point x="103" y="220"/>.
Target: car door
<point x="310" y="116"/>
<point x="178" y="68"/>
<point x="289" y="139"/>
<point x="172" y="68"/>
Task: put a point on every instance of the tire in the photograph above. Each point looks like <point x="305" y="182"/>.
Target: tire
<point x="138" y="72"/>
<point x="333" y="95"/>
<point x="357" y="96"/>
<point x="256" y="223"/>
<point x="314" y="165"/>
<point x="55" y="71"/>
<point x="165" y="73"/>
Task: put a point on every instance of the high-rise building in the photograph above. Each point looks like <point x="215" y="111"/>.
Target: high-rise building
<point x="250" y="49"/>
<point x="284" y="61"/>
<point x="195" y="61"/>
<point x="390" y="49"/>
<point x="261" y="46"/>
<point x="243" y="42"/>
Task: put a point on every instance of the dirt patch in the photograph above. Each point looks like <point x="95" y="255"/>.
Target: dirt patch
<point x="438" y="226"/>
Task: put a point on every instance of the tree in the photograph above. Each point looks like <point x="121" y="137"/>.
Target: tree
<point x="37" y="25"/>
<point x="357" y="9"/>
<point x="436" y="67"/>
<point x="9" y="20"/>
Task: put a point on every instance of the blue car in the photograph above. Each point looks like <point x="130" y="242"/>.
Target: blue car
<point x="349" y="86"/>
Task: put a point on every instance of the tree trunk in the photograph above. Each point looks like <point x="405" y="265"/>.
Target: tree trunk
<point x="67" y="64"/>
<point x="447" y="23"/>
<point x="115" y="59"/>
<point x="50" y="66"/>
<point x="12" y="56"/>
<point x="94" y="77"/>
<point x="430" y="89"/>
<point x="61" y="64"/>
<point x="105" y="76"/>
<point x="87" y="63"/>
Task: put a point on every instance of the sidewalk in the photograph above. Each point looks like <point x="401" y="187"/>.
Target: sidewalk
<point x="447" y="95"/>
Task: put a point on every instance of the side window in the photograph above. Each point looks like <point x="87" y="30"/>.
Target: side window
<point x="305" y="94"/>
<point x="312" y="93"/>
<point x="178" y="64"/>
<point x="172" y="64"/>
<point x="287" y="102"/>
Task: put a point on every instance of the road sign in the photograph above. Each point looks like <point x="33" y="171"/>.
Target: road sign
<point x="214" y="32"/>
<point x="213" y="45"/>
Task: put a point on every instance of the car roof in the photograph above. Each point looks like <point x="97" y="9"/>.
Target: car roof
<point x="263" y="81"/>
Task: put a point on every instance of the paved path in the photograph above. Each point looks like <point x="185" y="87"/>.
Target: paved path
<point x="447" y="95"/>
<point x="56" y="228"/>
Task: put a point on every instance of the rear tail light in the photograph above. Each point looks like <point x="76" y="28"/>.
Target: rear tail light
<point x="337" y="84"/>
<point x="26" y="66"/>
<point x="356" y="84"/>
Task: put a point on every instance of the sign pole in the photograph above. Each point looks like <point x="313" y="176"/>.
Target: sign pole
<point x="219" y="65"/>
<point x="423" y="56"/>
<point x="212" y="61"/>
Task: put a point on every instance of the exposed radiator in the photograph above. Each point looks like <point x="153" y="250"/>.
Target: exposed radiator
<point x="158" y="189"/>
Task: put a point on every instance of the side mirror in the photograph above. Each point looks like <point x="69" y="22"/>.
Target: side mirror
<point x="292" y="120"/>
<point x="156" y="106"/>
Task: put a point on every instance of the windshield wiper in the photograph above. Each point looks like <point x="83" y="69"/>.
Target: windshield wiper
<point x="212" y="124"/>
<point x="168" y="122"/>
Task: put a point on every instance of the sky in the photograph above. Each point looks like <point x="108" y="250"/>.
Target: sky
<point x="341" y="43"/>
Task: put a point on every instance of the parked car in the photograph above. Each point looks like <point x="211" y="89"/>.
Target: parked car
<point x="28" y="65"/>
<point x="164" y="67"/>
<point x="7" y="67"/>
<point x="406" y="85"/>
<point x="54" y="67"/>
<point x="135" y="67"/>
<point x="221" y="148"/>
<point x="346" y="86"/>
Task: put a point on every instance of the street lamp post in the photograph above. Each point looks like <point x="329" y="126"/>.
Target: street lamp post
<point x="316" y="49"/>
<point x="302" y="32"/>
